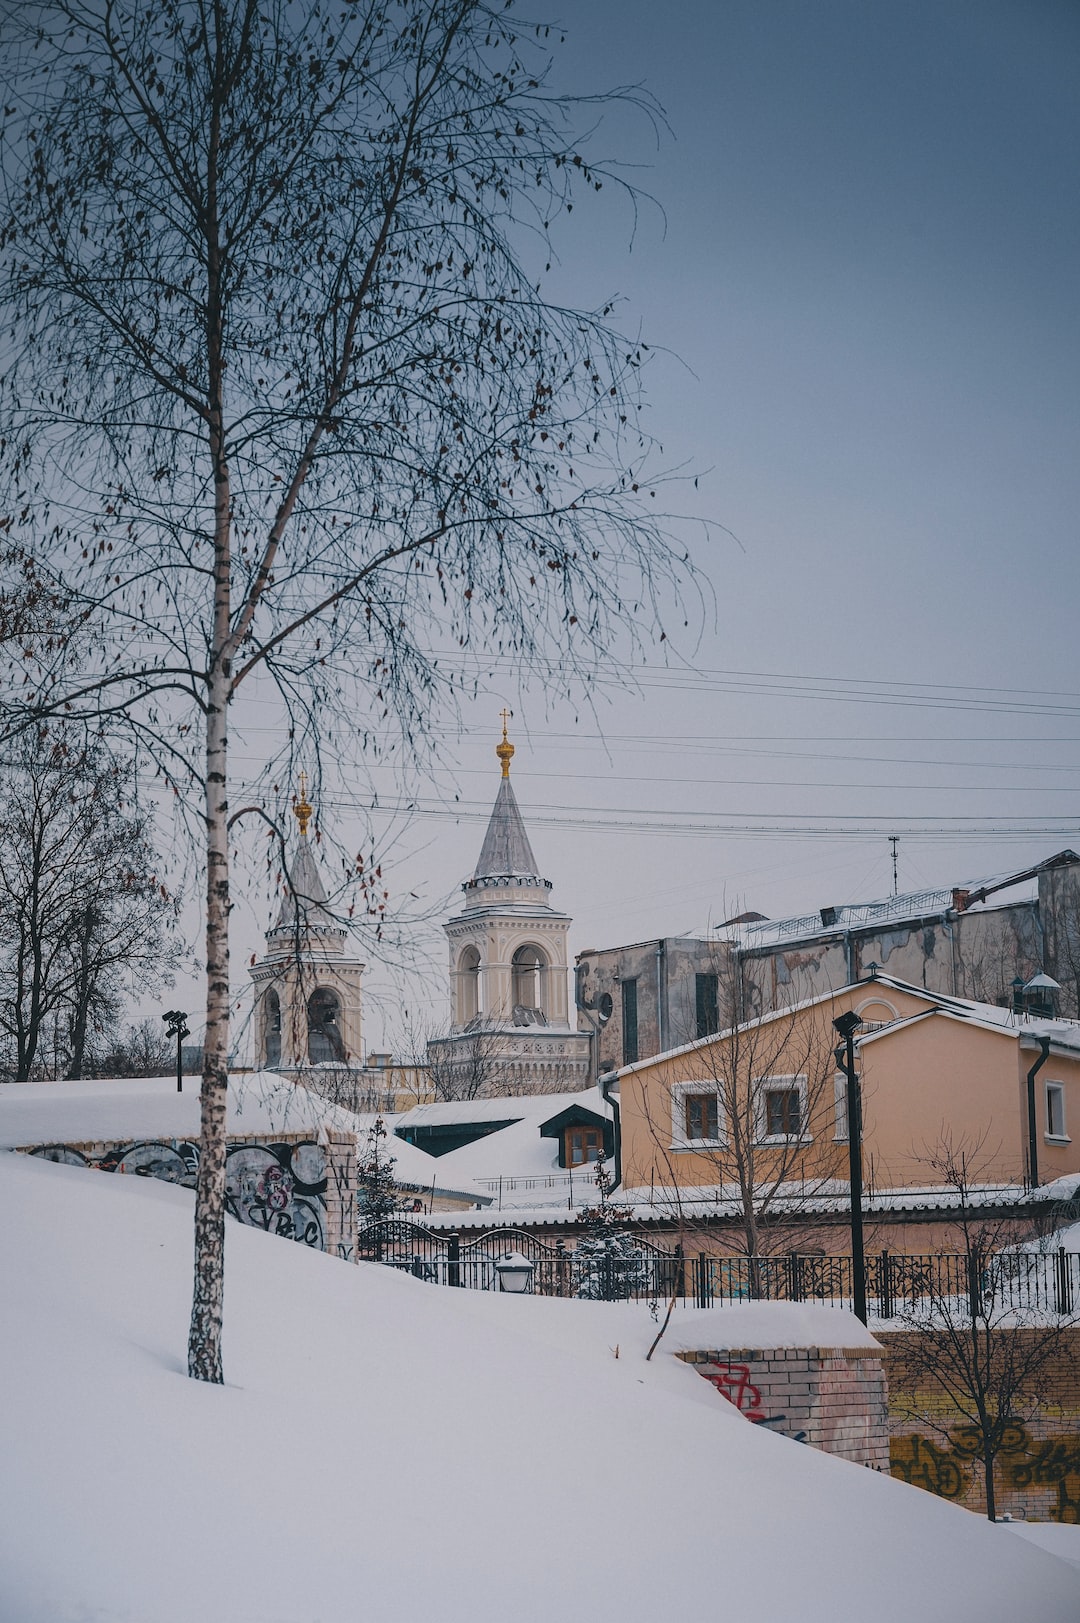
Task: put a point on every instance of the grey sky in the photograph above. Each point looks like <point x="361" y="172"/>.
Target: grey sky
<point x="869" y="273"/>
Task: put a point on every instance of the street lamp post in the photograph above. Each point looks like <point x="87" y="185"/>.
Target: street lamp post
<point x="847" y="1025"/>
<point x="176" y="1022"/>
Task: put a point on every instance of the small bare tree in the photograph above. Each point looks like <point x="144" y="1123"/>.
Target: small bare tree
<point x="976" y="1336"/>
<point x="144" y="1049"/>
<point x="756" y="1106"/>
<point x="284" y="405"/>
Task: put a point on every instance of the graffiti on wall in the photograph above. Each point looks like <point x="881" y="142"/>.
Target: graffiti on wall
<point x="1025" y="1462"/>
<point x="733" y="1382"/>
<point x="280" y="1188"/>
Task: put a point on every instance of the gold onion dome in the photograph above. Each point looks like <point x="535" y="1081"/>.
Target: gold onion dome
<point x="505" y="750"/>
<point x="302" y="807"/>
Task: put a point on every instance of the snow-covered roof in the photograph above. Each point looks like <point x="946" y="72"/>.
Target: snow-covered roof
<point x="895" y="910"/>
<point x="262" y="1103"/>
<point x="1026" y="1027"/>
<point x="538" y="1107"/>
<point x="1063" y="1034"/>
<point x="514" y="1165"/>
<point x="663" y="1205"/>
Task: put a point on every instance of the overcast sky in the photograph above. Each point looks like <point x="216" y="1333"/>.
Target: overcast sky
<point x="862" y="278"/>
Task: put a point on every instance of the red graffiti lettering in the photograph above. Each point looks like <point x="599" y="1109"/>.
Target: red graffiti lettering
<point x="733" y="1382"/>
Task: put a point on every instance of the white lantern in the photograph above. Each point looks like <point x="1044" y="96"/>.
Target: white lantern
<point x="515" y="1272"/>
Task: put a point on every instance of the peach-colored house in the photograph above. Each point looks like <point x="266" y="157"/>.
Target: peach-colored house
<point x="765" y="1102"/>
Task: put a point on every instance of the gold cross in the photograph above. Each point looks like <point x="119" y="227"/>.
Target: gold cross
<point x="505" y="750"/>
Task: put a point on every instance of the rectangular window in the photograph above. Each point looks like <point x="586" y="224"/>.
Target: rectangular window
<point x="702" y="1115"/>
<point x="629" y="1022"/>
<point x="708" y="1006"/>
<point x="583" y="1144"/>
<point x="780" y="1109"/>
<point x="783" y="1113"/>
<point x="1055" y="1111"/>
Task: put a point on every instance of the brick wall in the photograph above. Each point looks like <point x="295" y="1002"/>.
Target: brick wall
<point x="833" y="1398"/>
<point x="1037" y="1475"/>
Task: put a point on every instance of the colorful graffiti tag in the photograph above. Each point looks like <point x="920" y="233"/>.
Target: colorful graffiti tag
<point x="273" y="1186"/>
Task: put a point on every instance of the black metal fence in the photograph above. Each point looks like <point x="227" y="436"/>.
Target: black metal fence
<point x="1022" y="1281"/>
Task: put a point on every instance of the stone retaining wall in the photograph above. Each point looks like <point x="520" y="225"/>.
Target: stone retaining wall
<point x="1037" y="1475"/>
<point x="288" y="1183"/>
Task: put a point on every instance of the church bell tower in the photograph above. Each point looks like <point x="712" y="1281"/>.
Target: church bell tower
<point x="510" y="1026"/>
<point x="307" y="991"/>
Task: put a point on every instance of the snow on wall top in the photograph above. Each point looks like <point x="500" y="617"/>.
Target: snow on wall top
<point x="123" y="1109"/>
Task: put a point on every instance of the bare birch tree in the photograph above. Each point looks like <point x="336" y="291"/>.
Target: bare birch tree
<point x="285" y="407"/>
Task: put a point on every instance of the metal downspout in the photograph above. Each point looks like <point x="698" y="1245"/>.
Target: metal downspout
<point x="1032" y="1121"/>
<point x="604" y="1083"/>
<point x="661" y="1033"/>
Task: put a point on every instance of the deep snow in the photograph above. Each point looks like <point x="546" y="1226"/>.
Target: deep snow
<point x="386" y="1447"/>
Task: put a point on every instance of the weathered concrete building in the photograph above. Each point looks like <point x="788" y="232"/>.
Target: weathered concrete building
<point x="972" y="941"/>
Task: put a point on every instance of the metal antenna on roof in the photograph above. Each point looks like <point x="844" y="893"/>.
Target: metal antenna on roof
<point x="894" y="841"/>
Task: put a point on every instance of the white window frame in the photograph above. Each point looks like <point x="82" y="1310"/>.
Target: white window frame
<point x="680" y="1091"/>
<point x="1057" y="1089"/>
<point x="777" y="1084"/>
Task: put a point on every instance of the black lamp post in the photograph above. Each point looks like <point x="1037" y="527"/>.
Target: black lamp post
<point x="177" y="1027"/>
<point x="847" y="1025"/>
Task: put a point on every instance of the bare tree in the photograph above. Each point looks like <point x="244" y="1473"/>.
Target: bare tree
<point x="284" y="405"/>
<point x="144" y="1049"/>
<point x="84" y="916"/>
<point x="980" y="1336"/>
<point x="757" y="1105"/>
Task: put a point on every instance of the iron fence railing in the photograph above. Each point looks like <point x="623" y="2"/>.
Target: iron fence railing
<point x="897" y="1285"/>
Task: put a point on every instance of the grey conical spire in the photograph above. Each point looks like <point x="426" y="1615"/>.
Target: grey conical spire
<point x="506" y="852"/>
<point x="304" y="894"/>
<point x="304" y="902"/>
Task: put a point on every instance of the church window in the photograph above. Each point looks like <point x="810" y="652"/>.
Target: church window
<point x="527" y="973"/>
<point x="272" y="1028"/>
<point x="324" y="1029"/>
<point x="629" y="1022"/>
<point x="468" y="986"/>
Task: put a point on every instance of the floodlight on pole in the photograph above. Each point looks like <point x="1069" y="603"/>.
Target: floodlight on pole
<point x="176" y="1023"/>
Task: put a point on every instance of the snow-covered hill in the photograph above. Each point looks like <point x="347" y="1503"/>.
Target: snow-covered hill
<point x="386" y="1448"/>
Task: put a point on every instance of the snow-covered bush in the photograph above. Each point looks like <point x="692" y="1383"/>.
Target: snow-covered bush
<point x="608" y="1266"/>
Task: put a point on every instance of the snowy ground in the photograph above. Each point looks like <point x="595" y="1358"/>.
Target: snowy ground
<point x="389" y="1448"/>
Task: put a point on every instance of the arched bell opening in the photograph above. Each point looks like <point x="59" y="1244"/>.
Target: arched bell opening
<point x="469" y="996"/>
<point x="528" y="979"/>
<point x="324" y="1027"/>
<point x="271" y="1009"/>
